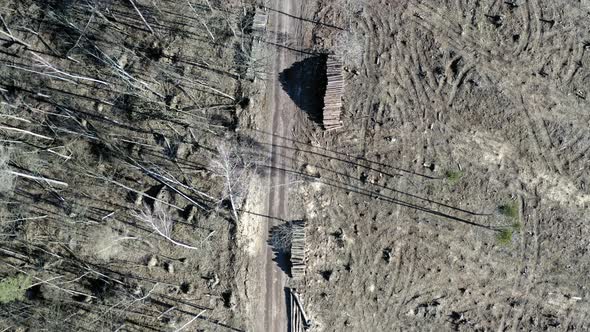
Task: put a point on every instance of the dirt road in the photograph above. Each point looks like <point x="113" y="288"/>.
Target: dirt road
<point x="283" y="28"/>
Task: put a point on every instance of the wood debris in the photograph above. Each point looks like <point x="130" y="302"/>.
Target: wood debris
<point x="298" y="250"/>
<point x="334" y="92"/>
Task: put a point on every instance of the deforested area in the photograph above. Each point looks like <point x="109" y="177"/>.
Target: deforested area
<point x="273" y="165"/>
<point x="455" y="197"/>
<point x="120" y="170"/>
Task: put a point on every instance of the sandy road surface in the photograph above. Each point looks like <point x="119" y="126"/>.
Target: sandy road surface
<point x="283" y="27"/>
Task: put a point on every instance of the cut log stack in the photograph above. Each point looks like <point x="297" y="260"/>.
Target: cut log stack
<point x="258" y="31"/>
<point x="334" y="92"/>
<point x="299" y="320"/>
<point x="298" y="250"/>
<point x="259" y="23"/>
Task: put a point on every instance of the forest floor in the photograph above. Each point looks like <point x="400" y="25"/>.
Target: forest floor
<point x="115" y="116"/>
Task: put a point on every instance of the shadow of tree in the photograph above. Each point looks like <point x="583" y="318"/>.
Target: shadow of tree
<point x="305" y="82"/>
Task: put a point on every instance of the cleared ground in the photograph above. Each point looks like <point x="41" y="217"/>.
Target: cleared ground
<point x="456" y="195"/>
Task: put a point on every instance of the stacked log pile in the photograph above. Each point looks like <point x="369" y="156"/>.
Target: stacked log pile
<point x="334" y="92"/>
<point x="259" y="22"/>
<point x="299" y="320"/>
<point x="258" y="30"/>
<point x="298" y="250"/>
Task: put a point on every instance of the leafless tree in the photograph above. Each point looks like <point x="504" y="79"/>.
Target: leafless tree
<point x="9" y="33"/>
<point x="190" y="321"/>
<point x="50" y="282"/>
<point x="8" y="175"/>
<point x="44" y="68"/>
<point x="38" y="178"/>
<point x="141" y="16"/>
<point x="27" y="132"/>
<point x="255" y="58"/>
<point x="109" y="179"/>
<point x="174" y="184"/>
<point x="235" y="166"/>
<point x="6" y="178"/>
<point x="160" y="220"/>
<point x="78" y="97"/>
<point x="201" y="20"/>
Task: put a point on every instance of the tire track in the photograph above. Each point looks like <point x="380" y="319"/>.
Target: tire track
<point x="441" y="83"/>
<point x="404" y="262"/>
<point x="376" y="25"/>
<point x="461" y="77"/>
<point x="531" y="276"/>
<point x="541" y="139"/>
<point x="432" y="92"/>
<point x="523" y="265"/>
<point x="395" y="282"/>
<point x="419" y="52"/>
<point x="368" y="66"/>
<point x="391" y="113"/>
<point x="395" y="86"/>
<point x="544" y="137"/>
<point x="407" y="281"/>
<point x="506" y="73"/>
<point x="524" y="261"/>
<point x="535" y="141"/>
<point x="561" y="67"/>
<point x="574" y="59"/>
<point x="413" y="91"/>
<point x="423" y="88"/>
<point x="584" y="157"/>
<point x="410" y="86"/>
<point x="530" y="259"/>
<point x="537" y="30"/>
<point x="435" y="22"/>
<point x="525" y="35"/>
<point x="532" y="27"/>
<point x="477" y="54"/>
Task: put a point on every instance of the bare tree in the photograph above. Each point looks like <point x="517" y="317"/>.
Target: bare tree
<point x="45" y="68"/>
<point x="9" y="33"/>
<point x="190" y="321"/>
<point x="7" y="175"/>
<point x="235" y="166"/>
<point x="161" y="222"/>
<point x="141" y="16"/>
<point x="22" y="131"/>
<point x="38" y="178"/>
<point x="201" y="20"/>
<point x="6" y="178"/>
